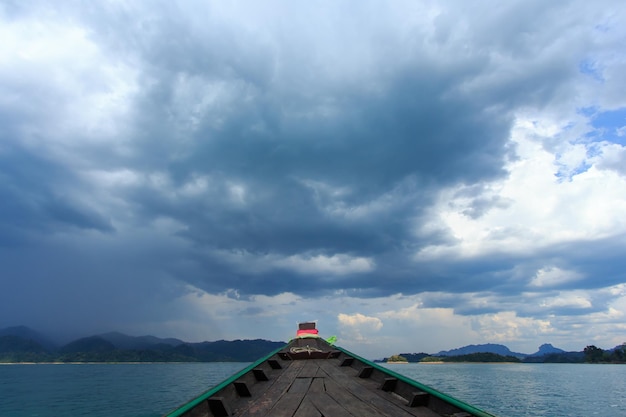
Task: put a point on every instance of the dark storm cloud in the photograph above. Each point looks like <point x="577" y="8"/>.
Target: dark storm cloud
<point x="281" y="135"/>
<point x="252" y="150"/>
<point x="274" y="133"/>
<point x="273" y="125"/>
<point x="32" y="203"/>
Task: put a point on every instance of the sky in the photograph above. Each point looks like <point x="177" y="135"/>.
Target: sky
<point x="415" y="176"/>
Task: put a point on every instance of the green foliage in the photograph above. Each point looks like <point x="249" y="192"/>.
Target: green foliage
<point x="431" y="359"/>
<point x="93" y="344"/>
<point x="472" y="357"/>
<point x="480" y="357"/>
<point x="19" y="344"/>
<point x="397" y="358"/>
<point x="594" y="354"/>
<point x="15" y="349"/>
<point x="619" y="354"/>
<point x="564" y="357"/>
<point x="24" y="357"/>
<point x="414" y="357"/>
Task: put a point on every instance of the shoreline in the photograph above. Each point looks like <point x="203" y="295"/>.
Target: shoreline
<point x="104" y="363"/>
<point x="453" y="362"/>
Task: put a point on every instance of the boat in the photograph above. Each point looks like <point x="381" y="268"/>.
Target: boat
<point x="311" y="377"/>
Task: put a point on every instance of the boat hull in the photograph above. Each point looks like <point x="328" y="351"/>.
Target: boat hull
<point x="311" y="378"/>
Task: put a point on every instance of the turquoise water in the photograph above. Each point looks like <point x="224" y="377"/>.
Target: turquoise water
<point x="529" y="390"/>
<point x="150" y="390"/>
<point x="98" y="390"/>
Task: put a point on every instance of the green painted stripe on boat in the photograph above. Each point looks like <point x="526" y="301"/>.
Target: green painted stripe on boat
<point x="208" y="394"/>
<point x="451" y="400"/>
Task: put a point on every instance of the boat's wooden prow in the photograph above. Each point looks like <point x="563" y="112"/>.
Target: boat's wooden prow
<point x="308" y="348"/>
<point x="312" y="378"/>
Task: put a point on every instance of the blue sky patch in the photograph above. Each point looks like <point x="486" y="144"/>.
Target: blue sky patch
<point x="608" y="126"/>
<point x="590" y="67"/>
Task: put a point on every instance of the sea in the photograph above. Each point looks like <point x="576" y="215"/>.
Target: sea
<point x="152" y="390"/>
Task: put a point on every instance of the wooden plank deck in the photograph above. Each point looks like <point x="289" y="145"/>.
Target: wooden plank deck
<point x="322" y="387"/>
<point x="310" y="378"/>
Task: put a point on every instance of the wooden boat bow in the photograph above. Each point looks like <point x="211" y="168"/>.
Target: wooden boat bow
<point x="309" y="377"/>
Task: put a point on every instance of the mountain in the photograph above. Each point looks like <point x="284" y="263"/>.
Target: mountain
<point x="90" y="344"/>
<point x="27" y="333"/>
<point x="546" y="353"/>
<point x="485" y="348"/>
<point x="550" y="354"/>
<point x="122" y="341"/>
<point x="547" y="349"/>
<point x="232" y="351"/>
<point x="19" y="349"/>
<point x="21" y="344"/>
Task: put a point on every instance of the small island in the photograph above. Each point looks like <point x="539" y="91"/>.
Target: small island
<point x="397" y="359"/>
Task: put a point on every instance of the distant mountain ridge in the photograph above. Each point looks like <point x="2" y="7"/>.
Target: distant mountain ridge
<point x="29" y="334"/>
<point x="22" y="344"/>
<point x="545" y="353"/>
<point x="547" y="349"/>
<point x="123" y="341"/>
<point x="484" y="348"/>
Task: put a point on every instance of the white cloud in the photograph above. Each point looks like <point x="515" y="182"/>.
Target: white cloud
<point x="553" y="276"/>
<point x="506" y="326"/>
<point x="447" y="329"/>
<point x="415" y="312"/>
<point x="209" y="316"/>
<point x="339" y="264"/>
<point x="358" y="328"/>
<point x="541" y="209"/>
<point x="360" y="320"/>
<point x="114" y="178"/>
<point x="339" y="203"/>
<point x="237" y="193"/>
<point x="613" y="157"/>
<point x="570" y="299"/>
<point x="71" y="90"/>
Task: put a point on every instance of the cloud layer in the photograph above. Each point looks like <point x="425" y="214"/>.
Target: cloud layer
<point x="208" y="170"/>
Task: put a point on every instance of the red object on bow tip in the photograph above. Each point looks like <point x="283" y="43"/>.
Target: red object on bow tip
<point x="306" y="331"/>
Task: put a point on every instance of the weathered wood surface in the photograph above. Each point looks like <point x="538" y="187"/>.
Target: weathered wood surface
<point x="321" y="387"/>
<point x="310" y="378"/>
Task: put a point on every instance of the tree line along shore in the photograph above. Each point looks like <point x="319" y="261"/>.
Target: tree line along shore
<point x="20" y="344"/>
<point x="591" y="354"/>
<point x="14" y="349"/>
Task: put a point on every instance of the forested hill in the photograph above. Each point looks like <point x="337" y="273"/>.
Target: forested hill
<point x="499" y="353"/>
<point x="480" y="357"/>
<point x="116" y="347"/>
